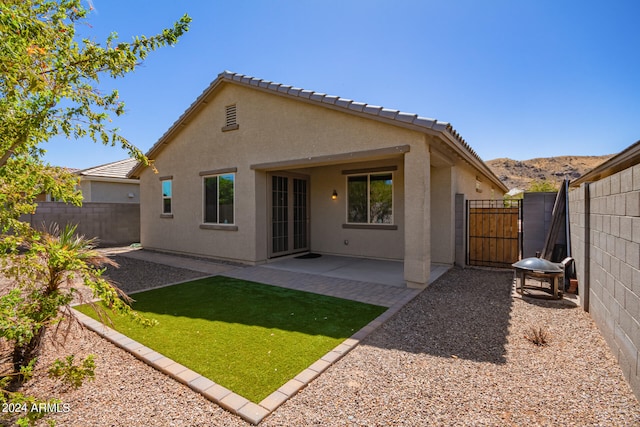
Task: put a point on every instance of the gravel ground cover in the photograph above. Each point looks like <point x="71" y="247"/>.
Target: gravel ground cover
<point x="133" y="275"/>
<point x="455" y="355"/>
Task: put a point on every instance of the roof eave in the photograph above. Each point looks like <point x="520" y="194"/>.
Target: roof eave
<point x="109" y="179"/>
<point x="195" y="106"/>
<point x="623" y="160"/>
<point x="475" y="161"/>
<point x="389" y="116"/>
<point x="427" y="126"/>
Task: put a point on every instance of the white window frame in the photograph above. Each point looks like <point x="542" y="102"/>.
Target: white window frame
<point x="204" y="198"/>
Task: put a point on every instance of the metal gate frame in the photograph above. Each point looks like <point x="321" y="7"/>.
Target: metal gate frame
<point x="489" y="248"/>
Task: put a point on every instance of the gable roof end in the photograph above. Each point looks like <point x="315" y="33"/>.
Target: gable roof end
<point x="347" y="105"/>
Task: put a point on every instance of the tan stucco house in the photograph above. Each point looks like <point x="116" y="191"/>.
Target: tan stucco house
<point x="256" y="170"/>
<point x="109" y="183"/>
<point x="106" y="183"/>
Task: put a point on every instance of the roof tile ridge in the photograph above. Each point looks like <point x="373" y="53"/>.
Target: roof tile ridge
<point x="226" y="74"/>
<point x="425" y="122"/>
<point x="330" y="99"/>
<point x="348" y="104"/>
<point x="357" y="106"/>
<point x="317" y="96"/>
<point x="343" y="102"/>
<point x="305" y="93"/>
<point x="371" y="109"/>
<point x="462" y="141"/>
<point x="389" y="113"/>
<point x="406" y="117"/>
<point x="104" y="165"/>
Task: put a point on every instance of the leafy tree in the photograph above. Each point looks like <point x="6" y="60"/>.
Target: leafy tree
<point x="48" y="87"/>
<point x="542" y="186"/>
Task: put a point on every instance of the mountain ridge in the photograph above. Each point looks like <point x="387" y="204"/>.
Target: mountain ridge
<point x="522" y="173"/>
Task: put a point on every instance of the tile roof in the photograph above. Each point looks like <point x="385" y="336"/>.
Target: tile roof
<point x="348" y="104"/>
<point x="398" y="117"/>
<point x="119" y="169"/>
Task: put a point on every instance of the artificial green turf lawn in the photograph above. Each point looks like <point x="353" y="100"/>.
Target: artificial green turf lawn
<point x="248" y="337"/>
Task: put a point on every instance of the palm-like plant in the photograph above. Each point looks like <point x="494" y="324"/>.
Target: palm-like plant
<point x="47" y="276"/>
<point x="65" y="254"/>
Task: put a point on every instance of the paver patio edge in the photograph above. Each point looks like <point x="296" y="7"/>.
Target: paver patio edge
<point x="227" y="399"/>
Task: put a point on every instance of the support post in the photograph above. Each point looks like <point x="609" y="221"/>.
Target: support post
<point x="417" y="199"/>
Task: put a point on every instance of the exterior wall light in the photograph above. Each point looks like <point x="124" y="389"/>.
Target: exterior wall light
<point x="334" y="196"/>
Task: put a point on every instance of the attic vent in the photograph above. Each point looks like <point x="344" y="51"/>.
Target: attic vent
<point x="230" y="122"/>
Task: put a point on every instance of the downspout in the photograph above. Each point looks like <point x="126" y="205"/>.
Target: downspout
<point x="587" y="248"/>
<point x="567" y="229"/>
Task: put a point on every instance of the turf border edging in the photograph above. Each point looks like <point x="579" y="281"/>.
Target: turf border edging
<point x="225" y="398"/>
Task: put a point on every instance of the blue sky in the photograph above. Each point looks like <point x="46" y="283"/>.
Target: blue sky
<point x="516" y="78"/>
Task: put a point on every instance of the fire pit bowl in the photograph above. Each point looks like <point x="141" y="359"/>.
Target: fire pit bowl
<point x="538" y="264"/>
<point x="544" y="271"/>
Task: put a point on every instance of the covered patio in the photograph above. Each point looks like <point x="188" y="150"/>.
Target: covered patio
<point x="383" y="272"/>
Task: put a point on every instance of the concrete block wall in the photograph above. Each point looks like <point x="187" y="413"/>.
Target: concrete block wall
<point x="580" y="242"/>
<point x="112" y="223"/>
<point x="605" y="235"/>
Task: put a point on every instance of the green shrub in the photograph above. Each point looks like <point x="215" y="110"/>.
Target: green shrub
<point x="71" y="374"/>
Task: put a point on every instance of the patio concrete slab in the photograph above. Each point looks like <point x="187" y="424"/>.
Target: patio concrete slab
<point x="383" y="272"/>
<point x="348" y="269"/>
<point x="370" y="293"/>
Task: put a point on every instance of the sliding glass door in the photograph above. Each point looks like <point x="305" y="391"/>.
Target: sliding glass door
<point x="289" y="214"/>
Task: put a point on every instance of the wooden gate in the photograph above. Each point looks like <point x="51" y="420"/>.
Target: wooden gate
<point x="494" y="232"/>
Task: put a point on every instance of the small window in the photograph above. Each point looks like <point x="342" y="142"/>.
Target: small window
<point x="370" y="199"/>
<point x="231" y="118"/>
<point x="167" y="194"/>
<point x="219" y="194"/>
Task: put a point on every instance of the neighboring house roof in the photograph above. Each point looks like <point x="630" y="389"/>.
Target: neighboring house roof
<point x="514" y="192"/>
<point x="395" y="117"/>
<point x="115" y="170"/>
<point x="621" y="161"/>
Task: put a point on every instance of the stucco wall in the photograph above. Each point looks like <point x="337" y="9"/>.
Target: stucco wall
<point x="465" y="188"/>
<point x="110" y="192"/>
<point x="605" y="238"/>
<point x="442" y="215"/>
<point x="328" y="216"/>
<point x="276" y="129"/>
<point x="271" y="129"/>
<point x="465" y="183"/>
